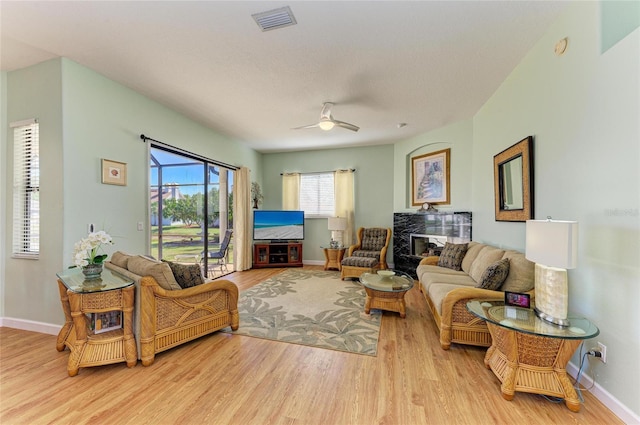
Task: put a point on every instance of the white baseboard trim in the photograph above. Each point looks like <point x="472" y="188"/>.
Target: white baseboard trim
<point x="30" y="325"/>
<point x="612" y="403"/>
<point x="620" y="410"/>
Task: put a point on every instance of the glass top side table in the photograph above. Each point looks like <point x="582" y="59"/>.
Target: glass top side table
<point x="386" y="292"/>
<point x="528" y="354"/>
<point x="82" y="299"/>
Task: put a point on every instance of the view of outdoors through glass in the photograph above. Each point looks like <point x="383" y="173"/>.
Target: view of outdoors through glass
<point x="180" y="186"/>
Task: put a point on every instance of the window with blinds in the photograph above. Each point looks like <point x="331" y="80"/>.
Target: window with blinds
<point x="26" y="189"/>
<point x="317" y="194"/>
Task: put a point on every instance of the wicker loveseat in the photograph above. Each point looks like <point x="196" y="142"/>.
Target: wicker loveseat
<point x="447" y="291"/>
<point x="167" y="316"/>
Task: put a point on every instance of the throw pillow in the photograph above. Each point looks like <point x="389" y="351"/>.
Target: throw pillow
<point x="187" y="275"/>
<point x="120" y="259"/>
<point x="495" y="275"/>
<point x="452" y="255"/>
<point x="161" y="272"/>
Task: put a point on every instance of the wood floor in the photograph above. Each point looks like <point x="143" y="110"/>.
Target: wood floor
<point x="231" y="379"/>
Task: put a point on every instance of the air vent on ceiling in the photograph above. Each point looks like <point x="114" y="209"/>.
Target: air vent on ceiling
<point x="274" y="19"/>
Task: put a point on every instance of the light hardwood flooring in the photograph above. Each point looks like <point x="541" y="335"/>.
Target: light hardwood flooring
<point x="231" y="379"/>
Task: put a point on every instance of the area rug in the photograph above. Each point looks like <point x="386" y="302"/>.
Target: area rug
<point x="310" y="307"/>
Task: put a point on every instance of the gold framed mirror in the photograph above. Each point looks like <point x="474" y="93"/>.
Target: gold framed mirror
<point x="513" y="182"/>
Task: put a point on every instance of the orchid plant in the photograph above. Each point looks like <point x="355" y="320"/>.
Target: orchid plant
<point x="86" y="249"/>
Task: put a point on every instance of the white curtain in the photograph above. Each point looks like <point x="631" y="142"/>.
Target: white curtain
<point x="345" y="202"/>
<point x="242" y="219"/>
<point x="290" y="191"/>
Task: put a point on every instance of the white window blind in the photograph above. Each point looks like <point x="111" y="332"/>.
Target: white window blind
<point x="317" y="194"/>
<point x="26" y="189"/>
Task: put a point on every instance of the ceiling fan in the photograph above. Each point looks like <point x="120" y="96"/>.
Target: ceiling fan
<point x="327" y="122"/>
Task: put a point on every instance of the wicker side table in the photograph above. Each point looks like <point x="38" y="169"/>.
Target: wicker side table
<point x="79" y="298"/>
<point x="386" y="292"/>
<point x="528" y="354"/>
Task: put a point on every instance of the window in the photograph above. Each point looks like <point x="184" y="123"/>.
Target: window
<point x="317" y="194"/>
<point x="26" y="189"/>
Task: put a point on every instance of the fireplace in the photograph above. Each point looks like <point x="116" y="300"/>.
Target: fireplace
<point x="413" y="234"/>
<point x="426" y="245"/>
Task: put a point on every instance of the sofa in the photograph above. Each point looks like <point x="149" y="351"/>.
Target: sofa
<point x="480" y="273"/>
<point x="168" y="313"/>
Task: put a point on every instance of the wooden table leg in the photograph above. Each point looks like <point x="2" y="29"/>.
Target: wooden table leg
<point x="68" y="320"/>
<point x="80" y="328"/>
<point x="130" y="351"/>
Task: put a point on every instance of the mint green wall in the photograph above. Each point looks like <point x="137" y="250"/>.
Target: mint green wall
<point x="582" y="109"/>
<point x="619" y="19"/>
<point x="373" y="188"/>
<point x="30" y="289"/>
<point x="3" y="194"/>
<point x="459" y="138"/>
<point x="85" y="117"/>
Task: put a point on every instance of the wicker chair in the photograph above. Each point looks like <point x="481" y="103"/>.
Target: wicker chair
<point x="369" y="254"/>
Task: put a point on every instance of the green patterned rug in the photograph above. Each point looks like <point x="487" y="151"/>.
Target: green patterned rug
<point x="310" y="307"/>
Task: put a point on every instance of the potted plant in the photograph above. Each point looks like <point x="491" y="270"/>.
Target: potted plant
<point x="256" y="194"/>
<point x="85" y="253"/>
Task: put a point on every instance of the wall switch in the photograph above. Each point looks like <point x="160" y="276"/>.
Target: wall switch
<point x="140" y="226"/>
<point x="91" y="228"/>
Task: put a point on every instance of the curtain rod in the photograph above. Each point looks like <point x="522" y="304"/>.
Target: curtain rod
<point x="321" y="172"/>
<point x="189" y="154"/>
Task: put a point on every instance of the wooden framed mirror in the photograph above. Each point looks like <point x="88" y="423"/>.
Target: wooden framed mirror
<point x="513" y="182"/>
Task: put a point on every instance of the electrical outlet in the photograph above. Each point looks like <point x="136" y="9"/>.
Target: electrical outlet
<point x="603" y="351"/>
<point x="140" y="226"/>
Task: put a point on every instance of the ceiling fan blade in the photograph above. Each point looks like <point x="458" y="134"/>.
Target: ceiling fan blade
<point x="326" y="111"/>
<point x="305" y="126"/>
<point x="346" y="125"/>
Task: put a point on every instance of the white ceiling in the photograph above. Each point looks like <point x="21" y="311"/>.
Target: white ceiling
<point x="426" y="63"/>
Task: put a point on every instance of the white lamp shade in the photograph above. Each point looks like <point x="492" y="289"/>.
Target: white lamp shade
<point x="337" y="223"/>
<point x="552" y="243"/>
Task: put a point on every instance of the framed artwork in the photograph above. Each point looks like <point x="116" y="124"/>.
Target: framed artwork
<point x="430" y="178"/>
<point x="114" y="172"/>
<point x="513" y="182"/>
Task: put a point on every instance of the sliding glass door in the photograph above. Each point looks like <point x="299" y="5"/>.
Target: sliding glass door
<point x="190" y="210"/>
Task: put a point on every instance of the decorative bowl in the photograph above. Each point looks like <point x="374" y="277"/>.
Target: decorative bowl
<point x="386" y="273"/>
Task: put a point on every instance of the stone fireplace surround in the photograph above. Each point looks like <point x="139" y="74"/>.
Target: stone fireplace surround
<point x="413" y="232"/>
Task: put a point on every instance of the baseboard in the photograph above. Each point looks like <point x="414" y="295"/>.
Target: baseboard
<point x="620" y="410"/>
<point x="30" y="325"/>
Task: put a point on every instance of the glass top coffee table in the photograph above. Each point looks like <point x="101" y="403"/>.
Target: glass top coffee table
<point x="528" y="354"/>
<point x="385" y="290"/>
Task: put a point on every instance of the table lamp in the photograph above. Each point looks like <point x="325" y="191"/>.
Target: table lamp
<point x="337" y="225"/>
<point x="553" y="246"/>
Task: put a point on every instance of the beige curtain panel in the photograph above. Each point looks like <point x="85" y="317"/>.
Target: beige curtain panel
<point x="290" y="191"/>
<point x="242" y="219"/>
<point x="345" y="202"/>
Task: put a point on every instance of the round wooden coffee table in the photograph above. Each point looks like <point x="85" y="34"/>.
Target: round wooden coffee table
<point x="386" y="292"/>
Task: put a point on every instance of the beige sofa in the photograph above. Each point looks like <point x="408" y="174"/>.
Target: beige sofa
<point x="447" y="291"/>
<point x="167" y="315"/>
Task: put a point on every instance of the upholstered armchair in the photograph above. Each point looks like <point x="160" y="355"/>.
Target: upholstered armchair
<point x="368" y="254"/>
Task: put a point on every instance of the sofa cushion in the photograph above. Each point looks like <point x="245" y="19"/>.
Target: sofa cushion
<point x="437" y="293"/>
<point x="521" y="273"/>
<point x="187" y="275"/>
<point x="120" y="259"/>
<point x="487" y="256"/>
<point x="473" y="250"/>
<point x="494" y="275"/>
<point x="452" y="255"/>
<point x="161" y="272"/>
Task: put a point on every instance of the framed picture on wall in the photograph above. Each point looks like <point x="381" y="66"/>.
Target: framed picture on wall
<point x="430" y="178"/>
<point x="114" y="172"/>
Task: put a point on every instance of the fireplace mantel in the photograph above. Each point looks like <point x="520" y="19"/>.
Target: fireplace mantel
<point x="454" y="226"/>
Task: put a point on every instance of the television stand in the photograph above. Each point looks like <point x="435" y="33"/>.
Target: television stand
<point x="277" y="254"/>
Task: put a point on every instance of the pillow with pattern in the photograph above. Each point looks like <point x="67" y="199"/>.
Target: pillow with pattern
<point x="495" y="275"/>
<point x="452" y="255"/>
<point x="187" y="275"/>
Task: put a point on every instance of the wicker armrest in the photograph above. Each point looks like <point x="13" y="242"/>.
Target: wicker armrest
<point x="430" y="261"/>
<point x="214" y="285"/>
<point x="459" y="294"/>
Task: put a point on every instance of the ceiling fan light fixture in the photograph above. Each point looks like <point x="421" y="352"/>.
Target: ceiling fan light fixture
<point x="326" y="125"/>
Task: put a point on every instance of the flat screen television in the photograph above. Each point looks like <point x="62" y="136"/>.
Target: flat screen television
<point x="278" y="225"/>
